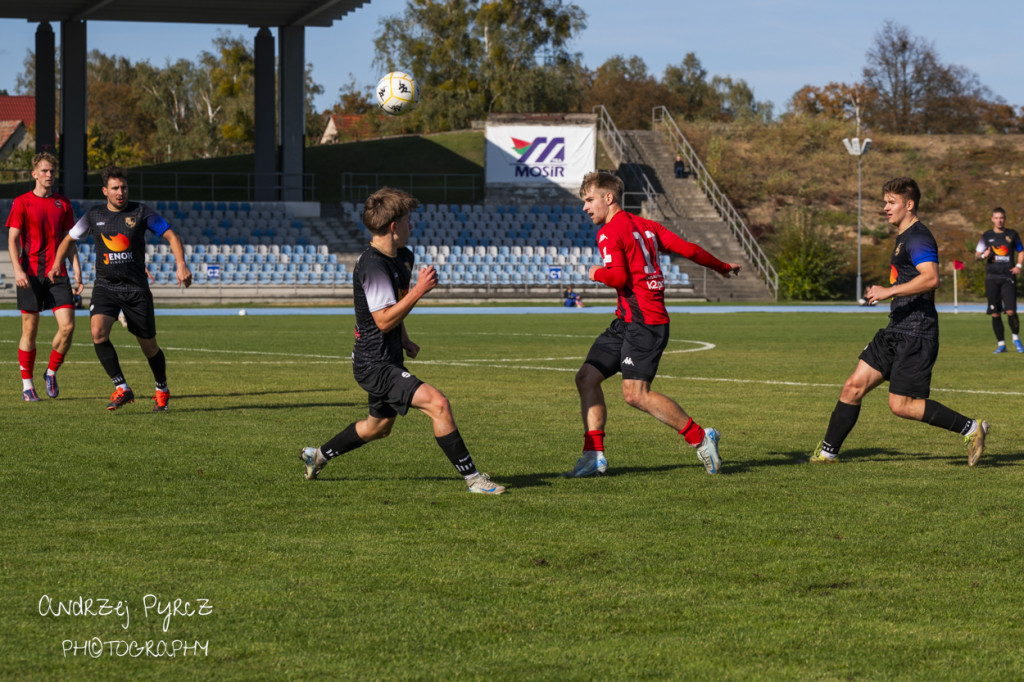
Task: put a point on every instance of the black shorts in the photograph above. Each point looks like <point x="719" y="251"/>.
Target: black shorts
<point x="390" y="389"/>
<point x="42" y="294"/>
<point x="905" y="361"/>
<point x="1001" y="294"/>
<point x="632" y="348"/>
<point x="136" y="304"/>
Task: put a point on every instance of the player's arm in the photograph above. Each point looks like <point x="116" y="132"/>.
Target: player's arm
<point x="73" y="235"/>
<point x="981" y="251"/>
<point x="76" y="267"/>
<point x="925" y="257"/>
<point x="183" y="274"/>
<point x="676" y="244"/>
<point x="411" y="348"/>
<point x="390" y="317"/>
<point x="615" y="271"/>
<point x="14" y="247"/>
<point x="1020" y="256"/>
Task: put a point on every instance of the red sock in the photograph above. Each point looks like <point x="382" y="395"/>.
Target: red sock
<point x="693" y="433"/>
<point x="56" y="360"/>
<point x="593" y="440"/>
<point x="27" y="361"/>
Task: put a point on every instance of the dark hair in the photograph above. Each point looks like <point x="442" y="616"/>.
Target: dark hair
<point x="999" y="209"/>
<point x="112" y="172"/>
<point x="604" y="182"/>
<point x="385" y="206"/>
<point x="904" y="187"/>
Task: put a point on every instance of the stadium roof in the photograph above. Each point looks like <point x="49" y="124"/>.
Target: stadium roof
<point x="245" y="12"/>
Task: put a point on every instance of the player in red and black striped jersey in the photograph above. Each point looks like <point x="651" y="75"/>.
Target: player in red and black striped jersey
<point x="635" y="341"/>
<point x="905" y="352"/>
<point x="38" y="222"/>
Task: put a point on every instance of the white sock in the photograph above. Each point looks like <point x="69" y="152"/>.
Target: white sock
<point x="123" y="386"/>
<point x="27" y="384"/>
<point x="1002" y="343"/>
<point x="50" y="372"/>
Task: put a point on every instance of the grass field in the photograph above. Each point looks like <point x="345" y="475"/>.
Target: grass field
<point x="899" y="562"/>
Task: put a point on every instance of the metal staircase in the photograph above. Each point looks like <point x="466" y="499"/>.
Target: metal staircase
<point x="693" y="207"/>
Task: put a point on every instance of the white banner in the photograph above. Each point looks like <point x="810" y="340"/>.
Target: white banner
<point x="540" y="154"/>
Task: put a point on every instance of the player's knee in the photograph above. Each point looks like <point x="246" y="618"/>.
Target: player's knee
<point x="587" y="377"/>
<point x="634" y="398"/>
<point x="900" y="408"/>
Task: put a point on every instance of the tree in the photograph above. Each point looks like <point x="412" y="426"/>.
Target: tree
<point x="837" y="101"/>
<point x="472" y="57"/>
<point x="626" y="90"/>
<point x="916" y="93"/>
<point x="692" y="96"/>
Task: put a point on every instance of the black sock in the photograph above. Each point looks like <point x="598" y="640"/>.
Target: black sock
<point x="843" y="419"/>
<point x="997" y="327"/>
<point x="345" y="441"/>
<point x="457" y="453"/>
<point x="939" y="415"/>
<point x="108" y="358"/>
<point x="1014" y="323"/>
<point x="158" y="364"/>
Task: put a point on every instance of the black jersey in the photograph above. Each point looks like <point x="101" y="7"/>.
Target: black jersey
<point x="1003" y="247"/>
<point x="378" y="282"/>
<point x="120" y="243"/>
<point x="915" y="314"/>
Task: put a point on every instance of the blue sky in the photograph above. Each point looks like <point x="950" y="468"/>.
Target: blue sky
<point x="777" y="46"/>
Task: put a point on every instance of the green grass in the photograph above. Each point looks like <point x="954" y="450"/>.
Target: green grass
<point x="899" y="562"/>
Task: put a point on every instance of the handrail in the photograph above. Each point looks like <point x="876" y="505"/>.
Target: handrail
<point x="719" y="201"/>
<point x="626" y="158"/>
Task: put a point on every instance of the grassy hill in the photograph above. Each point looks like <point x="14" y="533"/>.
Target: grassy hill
<point x="799" y="166"/>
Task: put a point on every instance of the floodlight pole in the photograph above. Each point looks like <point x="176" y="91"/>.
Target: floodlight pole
<point x="855" y="148"/>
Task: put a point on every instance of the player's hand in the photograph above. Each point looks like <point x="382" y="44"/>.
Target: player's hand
<point x="984" y="254"/>
<point x="427" y="279"/>
<point x="184" y="276"/>
<point x="591" y="271"/>
<point x="79" y="286"/>
<point x="411" y="349"/>
<point x="52" y="275"/>
<point x="21" y="279"/>
<point x="734" y="270"/>
<point x="875" y="293"/>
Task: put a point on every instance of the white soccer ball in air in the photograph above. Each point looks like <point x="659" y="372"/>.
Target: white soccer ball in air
<point x="397" y="93"/>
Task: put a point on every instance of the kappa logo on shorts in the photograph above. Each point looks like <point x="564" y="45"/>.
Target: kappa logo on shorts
<point x="628" y="361"/>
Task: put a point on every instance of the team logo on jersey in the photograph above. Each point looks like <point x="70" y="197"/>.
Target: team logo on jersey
<point x="893" y="274"/>
<point x="117" y="249"/>
<point x="897" y="251"/>
<point x="58" y="203"/>
<point x="130" y="222"/>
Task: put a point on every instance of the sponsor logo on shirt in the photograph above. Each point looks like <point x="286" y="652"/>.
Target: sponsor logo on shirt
<point x="118" y="249"/>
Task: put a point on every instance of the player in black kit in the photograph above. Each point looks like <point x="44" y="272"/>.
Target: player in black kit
<point x="122" y="285"/>
<point x="1003" y="254"/>
<point x="905" y="351"/>
<point x="382" y="299"/>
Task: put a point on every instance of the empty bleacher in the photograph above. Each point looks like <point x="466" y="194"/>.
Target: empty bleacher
<point x="261" y="244"/>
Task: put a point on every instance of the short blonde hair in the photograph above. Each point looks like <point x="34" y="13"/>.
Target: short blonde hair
<point x="43" y="156"/>
<point x="385" y="206"/>
<point x="603" y="181"/>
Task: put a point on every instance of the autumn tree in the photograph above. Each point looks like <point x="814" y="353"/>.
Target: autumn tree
<point x="472" y="57"/>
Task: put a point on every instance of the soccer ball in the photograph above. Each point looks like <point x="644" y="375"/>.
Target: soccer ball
<point x="397" y="93"/>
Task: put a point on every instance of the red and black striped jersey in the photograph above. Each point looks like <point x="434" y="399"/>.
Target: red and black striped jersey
<point x="43" y="222"/>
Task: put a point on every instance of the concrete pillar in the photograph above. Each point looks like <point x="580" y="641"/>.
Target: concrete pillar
<point x="46" y="90"/>
<point x="292" y="77"/>
<point x="72" y="108"/>
<point x="266" y="130"/>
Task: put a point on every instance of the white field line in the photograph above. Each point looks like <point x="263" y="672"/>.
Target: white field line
<point x="494" y="363"/>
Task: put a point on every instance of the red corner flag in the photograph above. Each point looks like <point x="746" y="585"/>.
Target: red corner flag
<point x="958" y="264"/>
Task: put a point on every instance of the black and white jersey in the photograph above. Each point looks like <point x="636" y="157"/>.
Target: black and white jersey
<point x="1003" y="247"/>
<point x="378" y="282"/>
<point x="120" y="243"/>
<point x="914" y="315"/>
